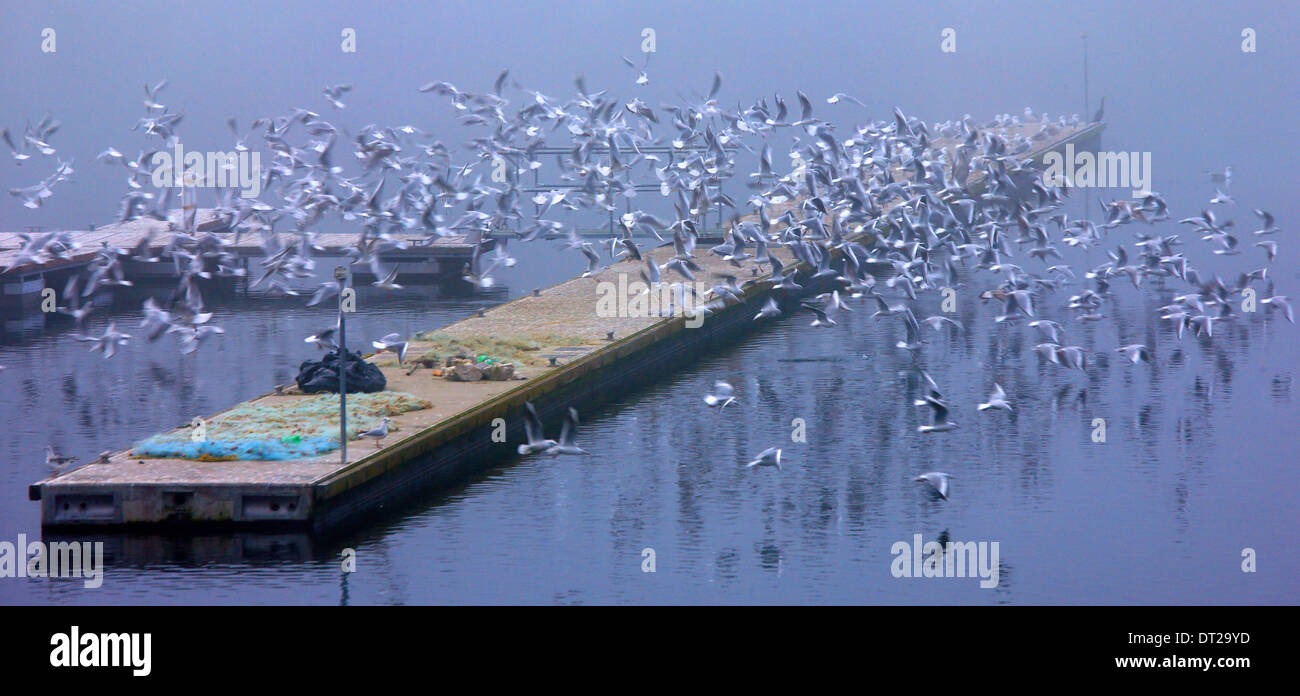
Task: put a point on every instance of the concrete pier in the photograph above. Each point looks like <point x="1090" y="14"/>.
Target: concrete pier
<point x="572" y="358"/>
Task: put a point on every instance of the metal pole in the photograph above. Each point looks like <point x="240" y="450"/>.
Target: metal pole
<point x="341" y="275"/>
<point x="719" y="205"/>
<point x="1087" y="115"/>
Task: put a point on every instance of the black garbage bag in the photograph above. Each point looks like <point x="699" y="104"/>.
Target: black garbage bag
<point x="323" y="375"/>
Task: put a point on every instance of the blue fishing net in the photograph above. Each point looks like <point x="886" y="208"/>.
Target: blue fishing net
<point x="226" y="450"/>
<point x="277" y="429"/>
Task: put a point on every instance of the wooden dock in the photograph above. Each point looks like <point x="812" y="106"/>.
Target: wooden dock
<point x="575" y="362"/>
<point x="444" y="258"/>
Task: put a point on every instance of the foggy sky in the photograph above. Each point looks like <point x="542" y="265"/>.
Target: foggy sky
<point x="1176" y="79"/>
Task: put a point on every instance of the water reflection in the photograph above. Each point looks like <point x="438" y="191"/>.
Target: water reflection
<point x="1190" y="442"/>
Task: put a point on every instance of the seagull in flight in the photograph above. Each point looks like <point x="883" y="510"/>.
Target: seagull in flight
<point x="1135" y="353"/>
<point x="939" y="422"/>
<point x="1278" y="302"/>
<point x="722" y="398"/>
<point x="938" y="480"/>
<point x="641" y="79"/>
<point x="57" y="461"/>
<point x="1052" y="330"/>
<point x="324" y="339"/>
<point x="822" y="320"/>
<point x="537" y="441"/>
<point x="392" y="343"/>
<point x="840" y="96"/>
<point x="768" y="457"/>
<point x="997" y="400"/>
<point x="1269" y="225"/>
<point x="108" y="342"/>
<point x="333" y="92"/>
<point x="567" y="445"/>
<point x="769" y="310"/>
<point x="388" y="281"/>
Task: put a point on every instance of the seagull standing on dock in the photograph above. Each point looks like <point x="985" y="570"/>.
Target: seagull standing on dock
<point x="377" y="434"/>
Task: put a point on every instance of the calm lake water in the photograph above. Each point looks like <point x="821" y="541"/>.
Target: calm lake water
<point x="1197" y="466"/>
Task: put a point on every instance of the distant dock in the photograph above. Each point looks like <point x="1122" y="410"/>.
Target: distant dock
<point x="21" y="286"/>
<point x="577" y="358"/>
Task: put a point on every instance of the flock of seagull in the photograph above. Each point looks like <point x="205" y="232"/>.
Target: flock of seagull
<point x="948" y="204"/>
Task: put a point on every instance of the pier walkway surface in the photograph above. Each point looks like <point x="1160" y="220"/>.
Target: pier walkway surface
<point x="568" y="359"/>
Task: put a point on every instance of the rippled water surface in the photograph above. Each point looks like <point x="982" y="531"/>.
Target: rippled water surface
<point x="1193" y="469"/>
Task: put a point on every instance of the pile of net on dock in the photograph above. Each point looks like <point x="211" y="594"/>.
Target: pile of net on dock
<point x="305" y="427"/>
<point x="323" y="375"/>
<point x="516" y="350"/>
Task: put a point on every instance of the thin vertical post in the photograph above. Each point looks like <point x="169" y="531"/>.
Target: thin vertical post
<point x="1087" y="118"/>
<point x="341" y="275"/>
<point x="719" y="205"/>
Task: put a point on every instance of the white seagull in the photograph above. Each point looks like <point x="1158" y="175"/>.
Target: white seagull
<point x="722" y="397"/>
<point x="567" y="445"/>
<point x="377" y="434"/>
<point x="768" y="457"/>
<point x="937" y="479"/>
<point x="997" y="400"/>
<point x="57" y="461"/>
<point x="537" y="441"/>
<point x="392" y="343"/>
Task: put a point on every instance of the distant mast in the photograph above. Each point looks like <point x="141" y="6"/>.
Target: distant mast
<point x="1087" y="192"/>
<point x="1085" y="75"/>
<point x="189" y="201"/>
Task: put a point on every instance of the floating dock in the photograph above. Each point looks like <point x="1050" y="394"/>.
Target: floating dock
<point x="575" y="356"/>
<point x="22" y="285"/>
